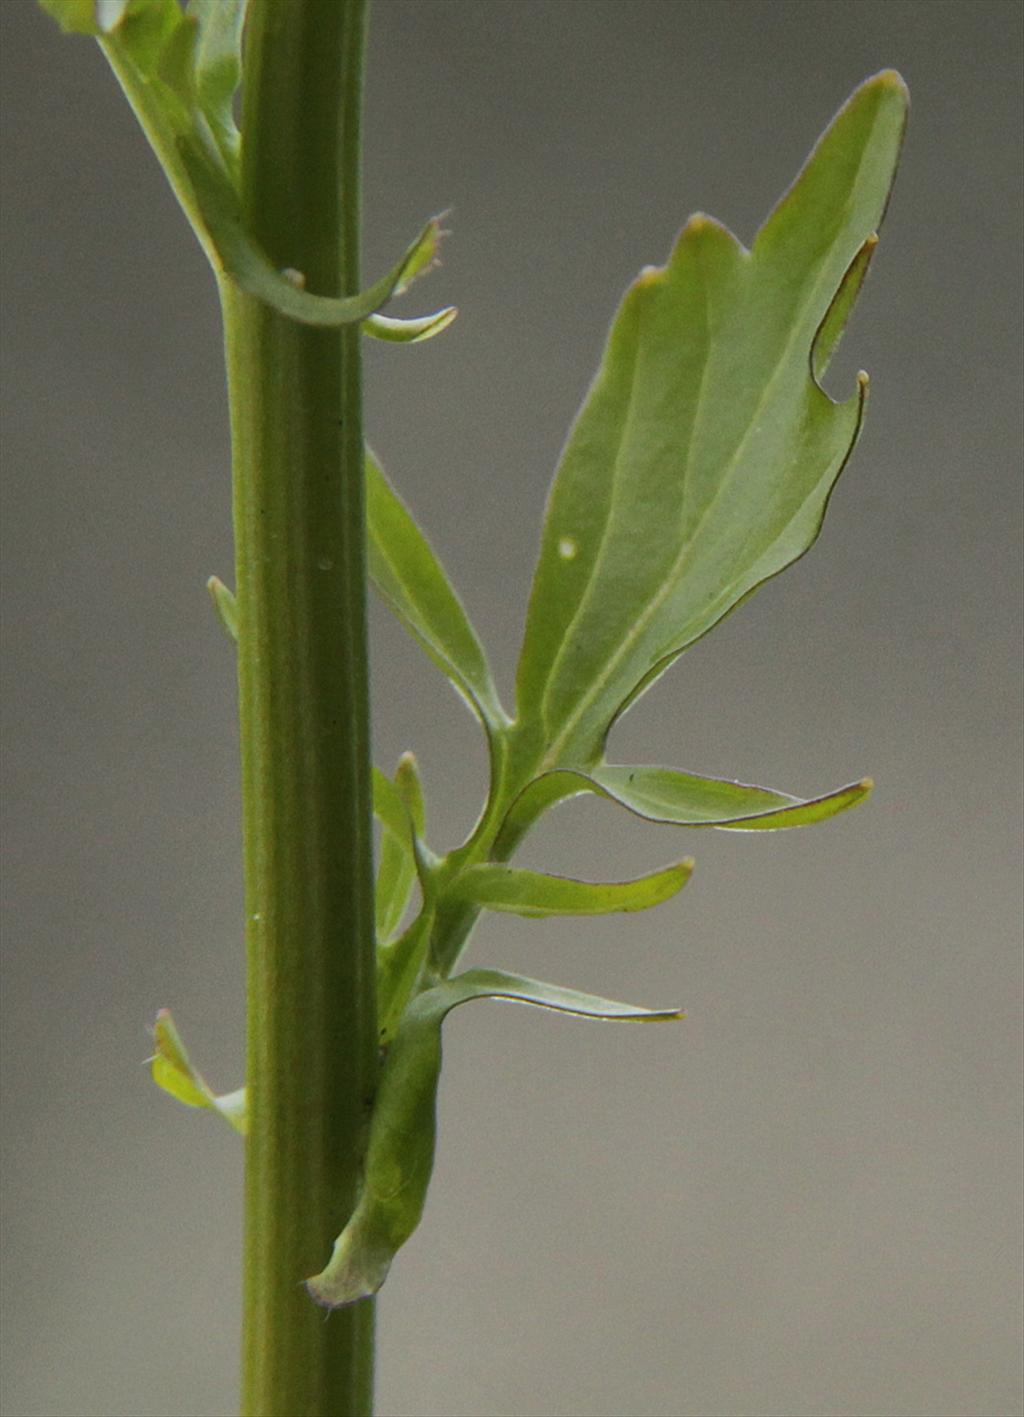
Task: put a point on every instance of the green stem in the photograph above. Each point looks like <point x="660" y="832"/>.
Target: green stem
<point x="297" y="448"/>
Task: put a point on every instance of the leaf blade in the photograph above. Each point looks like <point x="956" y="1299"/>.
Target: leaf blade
<point x="218" y="69"/>
<point x="400" y="1155"/>
<point x="172" y="1071"/>
<point x="407" y="573"/>
<point x="702" y="460"/>
<point x="536" y="894"/>
<point x="667" y="797"/>
<point x="414" y="331"/>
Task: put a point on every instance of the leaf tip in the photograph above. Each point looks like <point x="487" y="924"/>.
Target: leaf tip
<point x="649" y="275"/>
<point x="866" y="785"/>
<point x="891" y="80"/>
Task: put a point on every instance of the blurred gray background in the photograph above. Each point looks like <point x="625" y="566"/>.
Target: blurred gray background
<point x="804" y="1199"/>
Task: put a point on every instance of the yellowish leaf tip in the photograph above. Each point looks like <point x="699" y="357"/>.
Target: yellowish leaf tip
<point x="650" y="275"/>
<point x="863" y="381"/>
<point x="866" y="783"/>
<point x="891" y="79"/>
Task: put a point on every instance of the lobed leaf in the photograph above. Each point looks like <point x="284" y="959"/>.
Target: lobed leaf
<point x="704" y="455"/>
<point x="173" y="1071"/>
<point x="535" y="894"/>
<point x="408" y="574"/>
<point x="400" y="1155"/>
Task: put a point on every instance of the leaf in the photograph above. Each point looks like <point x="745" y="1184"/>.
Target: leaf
<point x="144" y="34"/>
<point x="225" y="605"/>
<point x="389" y="806"/>
<point x="410" y="789"/>
<point x="400" y="1155"/>
<point x="173" y="1071"/>
<point x="399" y="963"/>
<point x="252" y="270"/>
<point x="396" y="874"/>
<point x="704" y="455"/>
<point x="81" y="16"/>
<point x="409" y="576"/>
<point x="409" y="331"/>
<point x="218" y="69"/>
<point x="672" y="798"/>
<point x="532" y="893"/>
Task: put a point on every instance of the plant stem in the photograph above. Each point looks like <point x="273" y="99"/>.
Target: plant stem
<point x="297" y="451"/>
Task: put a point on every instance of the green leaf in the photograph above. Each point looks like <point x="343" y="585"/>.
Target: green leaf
<point x="409" y="576"/>
<point x="703" y="458"/>
<point x="95" y="17"/>
<point x="147" y="34"/>
<point x="400" y="1155"/>
<point x="411" y="580"/>
<point x="399" y="963"/>
<point x="79" y="16"/>
<point x="173" y="1071"/>
<point x="389" y="806"/>
<point x="252" y="270"/>
<point x="409" y="331"/>
<point x="396" y="874"/>
<point x="671" y="798"/>
<point x="410" y="789"/>
<point x="532" y="893"/>
<point x="218" y="68"/>
<point x="225" y="605"/>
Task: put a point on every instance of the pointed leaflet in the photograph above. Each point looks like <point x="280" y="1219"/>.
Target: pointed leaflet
<point x="243" y="259"/>
<point x="173" y="1071"/>
<point x="704" y="455"/>
<point x="683" y="799"/>
<point x="409" y="576"/>
<point x="226" y="606"/>
<point x="400" y="1156"/>
<point x="536" y="894"/>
